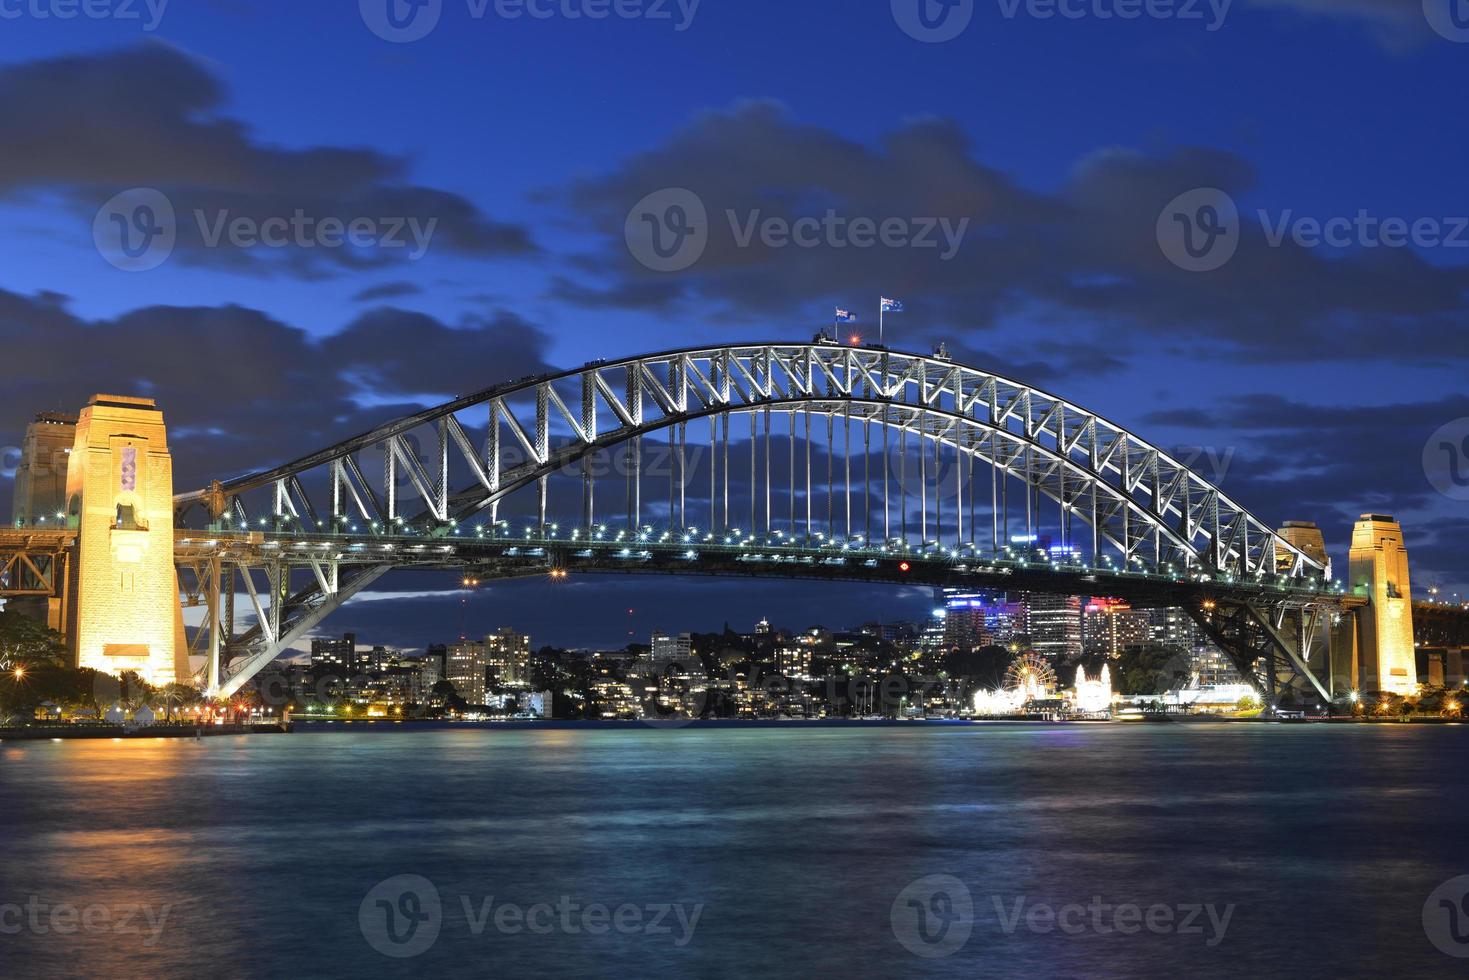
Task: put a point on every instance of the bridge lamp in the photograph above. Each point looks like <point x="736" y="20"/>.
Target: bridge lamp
<point x="20" y="673"/>
<point x="904" y="567"/>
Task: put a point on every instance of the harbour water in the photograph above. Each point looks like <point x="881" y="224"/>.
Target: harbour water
<point x="954" y="851"/>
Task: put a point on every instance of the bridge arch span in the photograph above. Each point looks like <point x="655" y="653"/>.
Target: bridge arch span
<point x="467" y="460"/>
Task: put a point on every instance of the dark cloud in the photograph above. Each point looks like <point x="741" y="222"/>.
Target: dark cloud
<point x="242" y="390"/>
<point x="88" y="126"/>
<point x="1085" y="259"/>
<point x="1289" y="460"/>
<point x="387" y="290"/>
<point x="396" y="351"/>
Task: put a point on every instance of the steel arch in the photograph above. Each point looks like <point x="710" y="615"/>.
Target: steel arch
<point x="654" y="392"/>
<point x="1133" y="496"/>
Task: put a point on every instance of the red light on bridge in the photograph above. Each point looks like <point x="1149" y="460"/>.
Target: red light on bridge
<point x="904" y="566"/>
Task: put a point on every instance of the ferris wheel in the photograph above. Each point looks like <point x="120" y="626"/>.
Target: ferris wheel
<point x="1031" y="676"/>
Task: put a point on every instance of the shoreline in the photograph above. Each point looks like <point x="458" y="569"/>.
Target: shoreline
<point x="58" y="733"/>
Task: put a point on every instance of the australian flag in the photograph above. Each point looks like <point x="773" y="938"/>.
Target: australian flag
<point x="892" y="305"/>
<point x="845" y="316"/>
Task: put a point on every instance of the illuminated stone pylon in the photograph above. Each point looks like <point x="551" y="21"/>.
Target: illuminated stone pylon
<point x="119" y="491"/>
<point x="1379" y="565"/>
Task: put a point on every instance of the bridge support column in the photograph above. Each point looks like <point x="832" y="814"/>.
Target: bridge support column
<point x="1379" y="570"/>
<point x="119" y="488"/>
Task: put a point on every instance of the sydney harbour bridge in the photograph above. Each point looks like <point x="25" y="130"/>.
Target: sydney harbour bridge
<point x="790" y="460"/>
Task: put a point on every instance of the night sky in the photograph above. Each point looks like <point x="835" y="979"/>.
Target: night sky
<point x="1318" y="378"/>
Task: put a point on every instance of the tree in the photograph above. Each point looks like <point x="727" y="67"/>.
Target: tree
<point x="1152" y="669"/>
<point x="985" y="667"/>
<point x="174" y="696"/>
<point x="26" y="643"/>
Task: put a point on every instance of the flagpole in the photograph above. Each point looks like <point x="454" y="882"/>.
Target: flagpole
<point x="879" y="321"/>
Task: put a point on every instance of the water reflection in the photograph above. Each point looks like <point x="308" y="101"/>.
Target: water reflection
<point x="254" y="856"/>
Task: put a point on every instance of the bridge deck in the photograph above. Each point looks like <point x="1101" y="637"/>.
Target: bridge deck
<point x="490" y="557"/>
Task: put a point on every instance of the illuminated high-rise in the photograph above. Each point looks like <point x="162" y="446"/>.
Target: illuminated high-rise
<point x="1054" y="625"/>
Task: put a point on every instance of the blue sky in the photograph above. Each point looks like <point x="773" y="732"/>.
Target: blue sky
<point x="1324" y="371"/>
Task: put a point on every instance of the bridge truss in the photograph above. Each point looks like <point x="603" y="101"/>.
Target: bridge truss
<point x="33" y="562"/>
<point x="798" y="451"/>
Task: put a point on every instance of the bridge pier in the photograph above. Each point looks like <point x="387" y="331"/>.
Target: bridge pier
<point x="1385" y="659"/>
<point x="119" y="492"/>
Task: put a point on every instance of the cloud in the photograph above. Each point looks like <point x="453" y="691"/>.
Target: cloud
<point x="241" y="390"/>
<point x="1397" y="24"/>
<point x="89" y="126"/>
<point x="1083" y="260"/>
<point x="393" y="350"/>
<point x="387" y="290"/>
<point x="1291" y="460"/>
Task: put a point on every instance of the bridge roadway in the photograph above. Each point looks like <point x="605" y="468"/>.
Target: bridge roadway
<point x="504" y="556"/>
